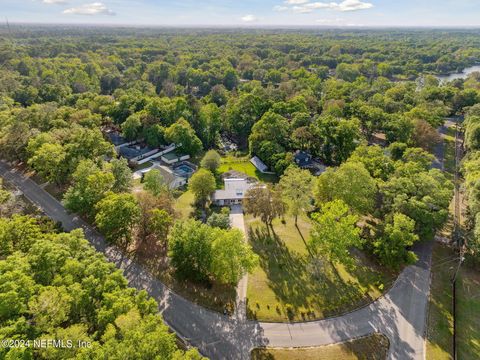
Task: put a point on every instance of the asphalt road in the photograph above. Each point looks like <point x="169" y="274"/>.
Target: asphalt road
<point x="400" y="314"/>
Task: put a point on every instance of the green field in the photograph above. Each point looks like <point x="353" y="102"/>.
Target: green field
<point x="183" y="205"/>
<point x="468" y="318"/>
<point x="374" y="347"/>
<point x="244" y="165"/>
<point x="289" y="286"/>
<point x="440" y="318"/>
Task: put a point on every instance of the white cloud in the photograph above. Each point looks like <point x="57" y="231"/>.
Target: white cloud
<point x="96" y="8"/>
<point x="249" y="18"/>
<point x="280" y="8"/>
<point x="54" y="1"/>
<point x="296" y="2"/>
<point x="353" y="5"/>
<point x="304" y="6"/>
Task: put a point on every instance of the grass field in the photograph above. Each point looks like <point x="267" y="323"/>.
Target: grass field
<point x="440" y="319"/>
<point x="289" y="286"/>
<point x="183" y="205"/>
<point x="374" y="347"/>
<point x="244" y="165"/>
<point x="468" y="318"/>
<point x="449" y="153"/>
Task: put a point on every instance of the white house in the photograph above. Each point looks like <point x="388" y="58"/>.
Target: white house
<point x="233" y="193"/>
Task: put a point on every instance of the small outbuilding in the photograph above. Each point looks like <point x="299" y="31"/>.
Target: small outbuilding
<point x="259" y="164"/>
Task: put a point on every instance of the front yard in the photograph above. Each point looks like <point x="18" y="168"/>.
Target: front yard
<point x="289" y="286"/>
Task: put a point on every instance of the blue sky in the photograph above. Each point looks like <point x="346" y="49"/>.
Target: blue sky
<point x="439" y="13"/>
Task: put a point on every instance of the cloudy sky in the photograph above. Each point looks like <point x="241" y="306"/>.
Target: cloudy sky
<point x="247" y="12"/>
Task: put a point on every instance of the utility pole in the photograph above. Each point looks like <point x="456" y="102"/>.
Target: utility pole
<point x="457" y="238"/>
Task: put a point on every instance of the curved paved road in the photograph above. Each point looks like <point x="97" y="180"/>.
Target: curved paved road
<point x="400" y="314"/>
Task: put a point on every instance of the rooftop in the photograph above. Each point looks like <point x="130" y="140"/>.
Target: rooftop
<point x="133" y="151"/>
<point x="259" y="164"/>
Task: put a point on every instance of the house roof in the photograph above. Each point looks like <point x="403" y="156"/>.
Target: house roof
<point x="115" y="138"/>
<point x="134" y="151"/>
<point x="171" y="155"/>
<point x="168" y="175"/>
<point x="259" y="164"/>
<point x="228" y="195"/>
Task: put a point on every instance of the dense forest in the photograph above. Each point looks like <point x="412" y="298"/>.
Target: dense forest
<point x="366" y="104"/>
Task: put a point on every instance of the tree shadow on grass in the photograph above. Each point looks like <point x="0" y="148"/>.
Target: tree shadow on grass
<point x="302" y="292"/>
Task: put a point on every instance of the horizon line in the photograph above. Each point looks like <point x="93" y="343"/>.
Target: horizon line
<point x="240" y="26"/>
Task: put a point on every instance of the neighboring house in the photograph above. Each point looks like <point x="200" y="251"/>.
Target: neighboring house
<point x="303" y="159"/>
<point x="259" y="164"/>
<point x="234" y="192"/>
<point x="172" y="179"/>
<point x="117" y="139"/>
<point x="137" y="152"/>
<point x="172" y="157"/>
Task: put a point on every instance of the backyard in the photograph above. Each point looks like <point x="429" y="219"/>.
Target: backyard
<point x="289" y="286"/>
<point x="244" y="165"/>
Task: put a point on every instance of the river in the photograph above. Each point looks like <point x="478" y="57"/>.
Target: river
<point x="460" y="75"/>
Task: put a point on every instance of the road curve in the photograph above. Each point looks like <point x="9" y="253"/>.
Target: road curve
<point x="400" y="314"/>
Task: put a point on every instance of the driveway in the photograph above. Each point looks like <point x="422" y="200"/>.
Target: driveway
<point x="237" y="222"/>
<point x="400" y="314"/>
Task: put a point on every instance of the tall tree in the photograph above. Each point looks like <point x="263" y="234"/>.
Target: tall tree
<point x="182" y="134"/>
<point x="154" y="182"/>
<point x="296" y="187"/>
<point x="122" y="174"/>
<point x="89" y="186"/>
<point x="398" y="237"/>
<point x="334" y="232"/>
<point x="351" y="183"/>
<point x="211" y="161"/>
<point x="264" y="202"/>
<point x="232" y="257"/>
<point x="117" y="215"/>
<point x="202" y="185"/>
<point x="48" y="161"/>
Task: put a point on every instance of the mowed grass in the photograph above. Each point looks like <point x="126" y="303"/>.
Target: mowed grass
<point x="244" y="165"/>
<point x="289" y="285"/>
<point x="440" y="317"/>
<point x="468" y="315"/>
<point x="449" y="152"/>
<point x="183" y="205"/>
<point x="374" y="347"/>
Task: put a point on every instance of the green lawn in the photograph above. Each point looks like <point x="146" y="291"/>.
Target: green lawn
<point x="374" y="347"/>
<point x="244" y="165"/>
<point x="468" y="318"/>
<point x="440" y="319"/>
<point x="184" y="204"/>
<point x="289" y="286"/>
<point x="449" y="155"/>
